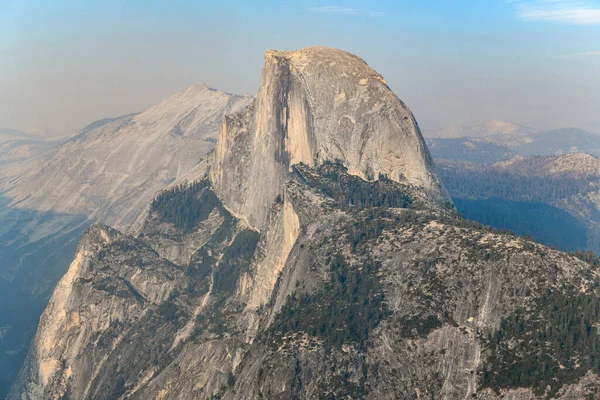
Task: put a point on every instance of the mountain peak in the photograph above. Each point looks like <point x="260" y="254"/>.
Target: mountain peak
<point x="171" y="111"/>
<point x="316" y="105"/>
<point x="313" y="53"/>
<point x="198" y="87"/>
<point x="328" y="60"/>
<point x="128" y="158"/>
<point x="503" y="127"/>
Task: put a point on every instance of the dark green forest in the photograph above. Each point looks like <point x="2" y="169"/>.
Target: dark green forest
<point x="554" y="344"/>
<point x="546" y="224"/>
<point x="344" y="310"/>
<point x="186" y="205"/>
<point x="351" y="192"/>
<point x="485" y="184"/>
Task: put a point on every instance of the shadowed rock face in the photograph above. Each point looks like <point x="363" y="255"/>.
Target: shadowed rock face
<point x="315" y="105"/>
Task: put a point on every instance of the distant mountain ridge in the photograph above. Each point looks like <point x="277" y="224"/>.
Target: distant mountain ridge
<point x="17" y="146"/>
<point x="497" y="141"/>
<point x="540" y="183"/>
<point x="477" y="150"/>
<point x="562" y="141"/>
<point x="572" y="165"/>
<point x="490" y="128"/>
<point x="114" y="166"/>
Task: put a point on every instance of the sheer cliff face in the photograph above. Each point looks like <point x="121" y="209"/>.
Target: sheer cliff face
<point x="315" y="105"/>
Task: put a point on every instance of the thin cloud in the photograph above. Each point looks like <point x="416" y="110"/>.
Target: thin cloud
<point x="579" y="12"/>
<point x="346" y="11"/>
<point x="592" y="53"/>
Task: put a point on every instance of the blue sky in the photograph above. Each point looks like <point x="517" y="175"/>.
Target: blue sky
<point x="64" y="64"/>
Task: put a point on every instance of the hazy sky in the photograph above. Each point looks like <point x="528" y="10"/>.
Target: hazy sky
<point x="64" y="64"/>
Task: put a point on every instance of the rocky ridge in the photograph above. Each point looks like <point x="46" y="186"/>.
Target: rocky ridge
<point x="573" y="165"/>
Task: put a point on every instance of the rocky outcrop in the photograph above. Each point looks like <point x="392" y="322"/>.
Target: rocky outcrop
<point x="315" y="105"/>
<point x="77" y="316"/>
<point x="369" y="303"/>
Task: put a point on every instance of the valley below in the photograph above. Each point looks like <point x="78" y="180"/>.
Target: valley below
<point x="553" y="199"/>
<point x="36" y="249"/>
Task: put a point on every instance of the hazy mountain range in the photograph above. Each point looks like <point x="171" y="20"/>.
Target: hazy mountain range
<point x="498" y="140"/>
<point x="543" y="184"/>
<point x="112" y="167"/>
<point x="503" y="131"/>
<point x="18" y="146"/>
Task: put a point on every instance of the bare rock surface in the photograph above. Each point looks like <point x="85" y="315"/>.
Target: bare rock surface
<point x="127" y="322"/>
<point x="16" y="146"/>
<point x="315" y="105"/>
